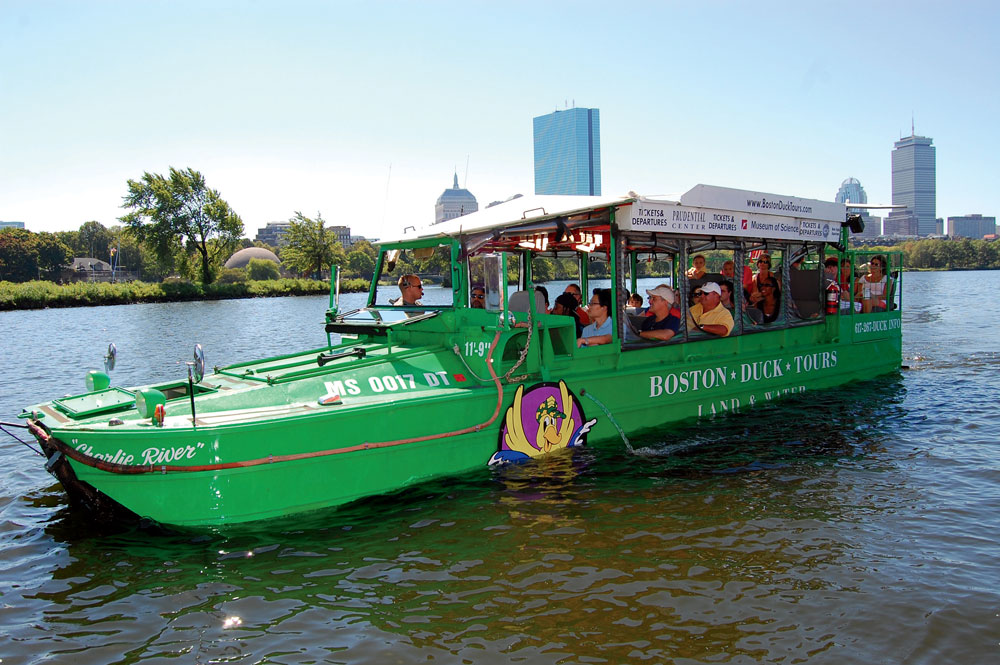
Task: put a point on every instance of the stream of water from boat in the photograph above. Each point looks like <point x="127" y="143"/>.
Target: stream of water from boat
<point x="857" y="525"/>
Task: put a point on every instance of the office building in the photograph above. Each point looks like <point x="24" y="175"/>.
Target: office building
<point x="568" y="152"/>
<point x="914" y="181"/>
<point x="873" y="226"/>
<point x="900" y="223"/>
<point x="454" y="202"/>
<point x="273" y="234"/>
<point x="12" y="225"/>
<point x="971" y="226"/>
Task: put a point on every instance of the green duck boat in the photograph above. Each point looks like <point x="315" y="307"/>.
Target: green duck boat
<point x="457" y="362"/>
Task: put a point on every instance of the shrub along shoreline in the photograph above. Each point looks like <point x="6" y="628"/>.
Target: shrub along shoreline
<point x="42" y="294"/>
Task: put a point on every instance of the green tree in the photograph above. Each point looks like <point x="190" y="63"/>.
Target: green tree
<point x="262" y="269"/>
<point x="52" y="254"/>
<point x="309" y="245"/>
<point x="18" y="255"/>
<point x="165" y="210"/>
<point x="94" y="241"/>
<point x="366" y="247"/>
<point x="71" y="239"/>
<point x="129" y="252"/>
<point x="360" y="264"/>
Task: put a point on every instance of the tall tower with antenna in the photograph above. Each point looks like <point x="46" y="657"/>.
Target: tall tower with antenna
<point x="914" y="180"/>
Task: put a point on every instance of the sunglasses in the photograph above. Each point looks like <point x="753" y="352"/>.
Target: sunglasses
<point x="767" y="263"/>
<point x="698" y="294"/>
<point x="478" y="296"/>
<point x="416" y="286"/>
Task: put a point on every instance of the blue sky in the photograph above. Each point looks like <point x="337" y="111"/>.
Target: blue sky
<point x="362" y="110"/>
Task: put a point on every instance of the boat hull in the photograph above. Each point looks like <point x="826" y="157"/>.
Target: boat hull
<point x="283" y="465"/>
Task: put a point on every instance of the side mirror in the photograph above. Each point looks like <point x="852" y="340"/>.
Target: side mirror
<point x="198" y="367"/>
<point x="109" y="360"/>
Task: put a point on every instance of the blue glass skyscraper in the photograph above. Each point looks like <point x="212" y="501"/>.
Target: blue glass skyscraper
<point x="568" y="152"/>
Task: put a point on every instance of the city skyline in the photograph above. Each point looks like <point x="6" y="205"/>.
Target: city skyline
<point x="280" y="118"/>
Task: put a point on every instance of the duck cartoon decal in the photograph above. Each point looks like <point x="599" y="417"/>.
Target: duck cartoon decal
<point x="543" y="418"/>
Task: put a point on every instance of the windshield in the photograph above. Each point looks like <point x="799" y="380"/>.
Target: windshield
<point x="415" y="277"/>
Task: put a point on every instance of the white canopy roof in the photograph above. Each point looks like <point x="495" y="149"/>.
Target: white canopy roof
<point x="703" y="210"/>
<point x="535" y="207"/>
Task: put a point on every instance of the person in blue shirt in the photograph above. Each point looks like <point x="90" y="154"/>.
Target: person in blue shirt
<point x="666" y="320"/>
<point x="599" y="330"/>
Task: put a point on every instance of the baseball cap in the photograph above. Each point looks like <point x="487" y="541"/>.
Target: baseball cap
<point x="711" y="287"/>
<point x="663" y="291"/>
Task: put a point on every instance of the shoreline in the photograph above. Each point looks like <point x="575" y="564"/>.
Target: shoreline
<point x="49" y="295"/>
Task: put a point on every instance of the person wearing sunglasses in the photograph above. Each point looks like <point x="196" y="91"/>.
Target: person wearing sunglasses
<point x="600" y="328"/>
<point x="871" y="288"/>
<point x="477" y="299"/>
<point x="770" y="301"/>
<point x="709" y="315"/>
<point x="762" y="276"/>
<point x="410" y="290"/>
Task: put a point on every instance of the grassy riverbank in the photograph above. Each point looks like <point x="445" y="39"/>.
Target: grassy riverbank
<point x="40" y="294"/>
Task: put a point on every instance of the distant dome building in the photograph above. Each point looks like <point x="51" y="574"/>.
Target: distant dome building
<point x="851" y="190"/>
<point x="241" y="258"/>
<point x="453" y="203"/>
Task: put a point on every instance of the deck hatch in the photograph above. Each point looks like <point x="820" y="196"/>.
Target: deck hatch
<point x="100" y="401"/>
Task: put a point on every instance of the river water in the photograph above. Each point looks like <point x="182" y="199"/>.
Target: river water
<point x="857" y="525"/>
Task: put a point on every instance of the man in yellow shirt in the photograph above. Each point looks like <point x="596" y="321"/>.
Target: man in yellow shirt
<point x="709" y="315"/>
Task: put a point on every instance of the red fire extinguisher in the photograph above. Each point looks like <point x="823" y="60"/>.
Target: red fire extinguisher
<point x="832" y="297"/>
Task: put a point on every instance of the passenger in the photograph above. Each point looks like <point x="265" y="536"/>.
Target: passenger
<point x="545" y="295"/>
<point x="696" y="295"/>
<point x="727" y="294"/>
<point x="665" y="320"/>
<point x="845" y="285"/>
<point x="581" y="313"/>
<point x="829" y="271"/>
<point x="729" y="270"/>
<point x="478" y="299"/>
<point x="600" y="328"/>
<point x="871" y="288"/>
<point x="709" y="315"/>
<point x="697" y="269"/>
<point x="635" y="305"/>
<point x="410" y="290"/>
<point x="763" y="272"/>
<point x="566" y="305"/>
<point x="845" y="275"/>
<point x="770" y="302"/>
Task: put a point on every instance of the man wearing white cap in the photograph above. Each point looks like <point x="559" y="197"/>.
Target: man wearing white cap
<point x="709" y="315"/>
<point x="664" y="321"/>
